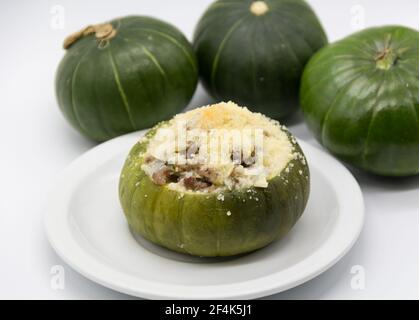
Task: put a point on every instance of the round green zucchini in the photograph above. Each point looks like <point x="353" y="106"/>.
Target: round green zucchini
<point x="254" y="52"/>
<point x="125" y="75"/>
<point x="201" y="224"/>
<point x="360" y="97"/>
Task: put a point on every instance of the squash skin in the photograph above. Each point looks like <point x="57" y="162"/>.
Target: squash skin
<point x="257" y="61"/>
<point x="362" y="114"/>
<point x="147" y="73"/>
<point x="198" y="224"/>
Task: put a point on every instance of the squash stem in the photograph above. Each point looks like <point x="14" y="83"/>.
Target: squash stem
<point x="386" y="59"/>
<point x="103" y="32"/>
<point x="259" y="8"/>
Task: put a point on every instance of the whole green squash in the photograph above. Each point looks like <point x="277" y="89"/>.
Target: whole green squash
<point x="124" y="76"/>
<point x="254" y="52"/>
<point x="222" y="223"/>
<point x="360" y="97"/>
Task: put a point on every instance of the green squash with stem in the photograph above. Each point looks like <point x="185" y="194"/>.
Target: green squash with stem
<point x="360" y="98"/>
<point x="125" y="75"/>
<point x="254" y="52"/>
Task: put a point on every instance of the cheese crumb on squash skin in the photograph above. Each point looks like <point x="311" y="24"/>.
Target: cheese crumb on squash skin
<point x="197" y="175"/>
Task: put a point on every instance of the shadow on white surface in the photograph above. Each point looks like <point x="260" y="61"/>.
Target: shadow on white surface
<point x="393" y="184"/>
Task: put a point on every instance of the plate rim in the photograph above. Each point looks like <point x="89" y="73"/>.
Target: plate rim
<point x="73" y="254"/>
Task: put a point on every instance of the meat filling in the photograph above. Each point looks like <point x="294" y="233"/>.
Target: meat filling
<point x="192" y="176"/>
<point x="216" y="148"/>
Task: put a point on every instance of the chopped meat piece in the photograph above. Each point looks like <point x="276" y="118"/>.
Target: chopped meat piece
<point x="174" y="177"/>
<point x="238" y="158"/>
<point x="208" y="174"/>
<point x="149" y="158"/>
<point x="193" y="183"/>
<point x="248" y="162"/>
<point x="186" y="167"/>
<point x="192" y="150"/>
<point x="162" y="176"/>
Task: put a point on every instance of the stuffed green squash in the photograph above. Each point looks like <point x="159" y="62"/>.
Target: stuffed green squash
<point x="215" y="181"/>
<point x="360" y="98"/>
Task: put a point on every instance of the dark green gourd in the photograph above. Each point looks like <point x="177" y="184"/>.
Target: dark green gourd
<point x="360" y="97"/>
<point x="125" y="75"/>
<point x="254" y="52"/>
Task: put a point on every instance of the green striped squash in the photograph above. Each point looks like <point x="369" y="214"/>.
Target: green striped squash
<point x="254" y="52"/>
<point x="360" y="98"/>
<point x="125" y="75"/>
<point x="197" y="224"/>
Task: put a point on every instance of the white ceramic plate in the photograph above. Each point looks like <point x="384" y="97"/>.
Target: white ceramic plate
<point x="86" y="226"/>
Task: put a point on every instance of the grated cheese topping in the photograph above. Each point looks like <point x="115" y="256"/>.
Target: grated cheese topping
<point x="217" y="147"/>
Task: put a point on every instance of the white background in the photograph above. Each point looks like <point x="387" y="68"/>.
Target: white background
<point x="37" y="144"/>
